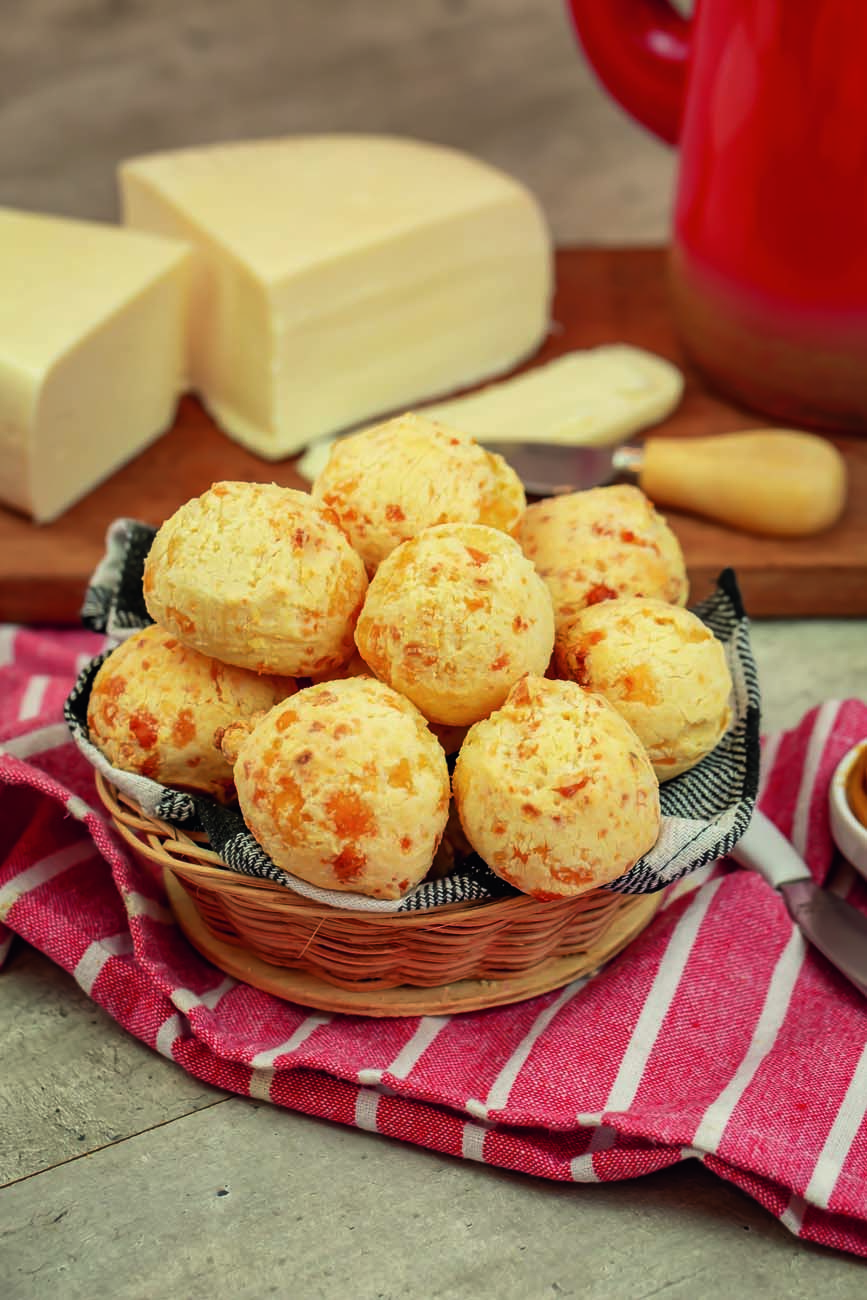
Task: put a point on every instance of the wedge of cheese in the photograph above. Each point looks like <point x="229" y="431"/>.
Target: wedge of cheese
<point x="92" y="329"/>
<point x="342" y="277"/>
<point x="591" y="397"/>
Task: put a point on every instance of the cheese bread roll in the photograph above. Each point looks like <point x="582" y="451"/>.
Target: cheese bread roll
<point x="555" y="791"/>
<point x="158" y="708"/>
<point x="389" y="482"/>
<point x="257" y="575"/>
<point x="345" y="787"/>
<point x="453" y="618"/>
<point x="660" y="667"/>
<point x="609" y="541"/>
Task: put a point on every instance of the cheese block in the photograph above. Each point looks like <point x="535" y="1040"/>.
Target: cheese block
<point x="92" y="328"/>
<point x="341" y="277"/>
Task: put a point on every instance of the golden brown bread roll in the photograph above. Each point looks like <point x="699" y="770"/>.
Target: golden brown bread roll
<point x="257" y="575"/>
<point x="453" y="618"/>
<point x="609" y="541"/>
<point x="555" y="791"/>
<point x="389" y="482"/>
<point x="158" y="708"/>
<point x="660" y="667"/>
<point x="345" y="787"/>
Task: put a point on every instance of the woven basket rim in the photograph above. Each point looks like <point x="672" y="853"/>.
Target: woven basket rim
<point x="194" y="863"/>
<point x="369" y="962"/>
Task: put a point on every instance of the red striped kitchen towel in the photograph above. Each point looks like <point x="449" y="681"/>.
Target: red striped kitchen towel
<point x="715" y="1036"/>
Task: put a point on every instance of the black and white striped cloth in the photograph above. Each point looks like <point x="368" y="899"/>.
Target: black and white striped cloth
<point x="704" y="811"/>
<point x="114" y="601"/>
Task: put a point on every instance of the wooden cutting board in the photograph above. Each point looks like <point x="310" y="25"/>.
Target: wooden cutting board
<point x="603" y="296"/>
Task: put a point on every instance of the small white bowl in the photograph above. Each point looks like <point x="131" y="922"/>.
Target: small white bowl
<point x="850" y="835"/>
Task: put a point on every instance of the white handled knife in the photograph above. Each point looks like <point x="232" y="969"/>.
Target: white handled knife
<point x="832" y="925"/>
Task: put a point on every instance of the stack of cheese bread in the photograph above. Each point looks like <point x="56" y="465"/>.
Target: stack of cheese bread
<point x="318" y="655"/>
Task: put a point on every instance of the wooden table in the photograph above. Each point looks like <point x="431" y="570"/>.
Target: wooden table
<point x="603" y="295"/>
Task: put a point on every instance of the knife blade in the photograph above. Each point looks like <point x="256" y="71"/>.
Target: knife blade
<point x="833" y="926"/>
<point x="775" y="482"/>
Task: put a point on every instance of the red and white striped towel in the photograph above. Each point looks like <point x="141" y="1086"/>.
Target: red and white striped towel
<point x="715" y="1036"/>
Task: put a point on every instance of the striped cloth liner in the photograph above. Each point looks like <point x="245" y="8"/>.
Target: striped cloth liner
<point x="715" y="1036"/>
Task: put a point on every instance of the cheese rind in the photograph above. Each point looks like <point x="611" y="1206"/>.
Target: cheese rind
<point x="342" y="277"/>
<point x="92" y="325"/>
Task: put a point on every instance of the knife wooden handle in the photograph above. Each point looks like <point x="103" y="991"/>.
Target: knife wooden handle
<point x="772" y="481"/>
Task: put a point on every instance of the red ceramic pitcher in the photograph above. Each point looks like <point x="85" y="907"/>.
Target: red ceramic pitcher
<point x="767" y="102"/>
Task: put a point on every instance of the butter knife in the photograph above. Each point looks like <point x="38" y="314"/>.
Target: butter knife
<point x="832" y="925"/>
<point x="777" y="482"/>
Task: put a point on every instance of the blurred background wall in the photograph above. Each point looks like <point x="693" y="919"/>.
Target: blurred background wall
<point x="84" y="83"/>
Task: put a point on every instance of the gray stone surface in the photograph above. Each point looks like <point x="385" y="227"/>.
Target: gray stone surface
<point x="246" y="1202"/>
<point x="804" y="662"/>
<point x="114" y="1158"/>
<point x="71" y="1080"/>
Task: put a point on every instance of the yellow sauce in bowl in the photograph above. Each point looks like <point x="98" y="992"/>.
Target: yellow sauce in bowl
<point x="856" y="786"/>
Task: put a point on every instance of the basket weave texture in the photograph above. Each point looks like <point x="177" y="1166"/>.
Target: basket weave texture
<point x="489" y="940"/>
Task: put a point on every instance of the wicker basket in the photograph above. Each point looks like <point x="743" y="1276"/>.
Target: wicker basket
<point x="508" y="941"/>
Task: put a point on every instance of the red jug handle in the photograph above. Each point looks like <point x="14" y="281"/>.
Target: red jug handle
<point x="638" y="49"/>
